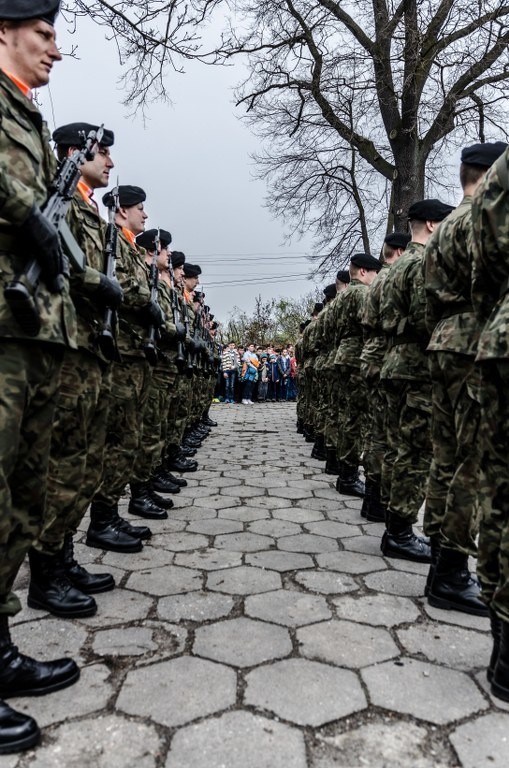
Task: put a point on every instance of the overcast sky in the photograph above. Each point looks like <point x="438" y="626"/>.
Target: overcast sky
<point x="192" y="159"/>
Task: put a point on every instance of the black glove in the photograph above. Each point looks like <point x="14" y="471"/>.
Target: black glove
<point x="44" y="238"/>
<point x="153" y="314"/>
<point x="180" y="331"/>
<point x="109" y="293"/>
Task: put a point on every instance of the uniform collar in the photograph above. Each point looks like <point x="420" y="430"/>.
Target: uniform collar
<point x="23" y="87"/>
<point x="130" y="236"/>
<point x="86" y="193"/>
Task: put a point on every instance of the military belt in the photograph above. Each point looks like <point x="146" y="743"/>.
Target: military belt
<point x="457" y="309"/>
<point x="352" y="335"/>
<point x="409" y="337"/>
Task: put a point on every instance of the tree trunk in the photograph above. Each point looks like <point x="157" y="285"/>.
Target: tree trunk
<point x="408" y="185"/>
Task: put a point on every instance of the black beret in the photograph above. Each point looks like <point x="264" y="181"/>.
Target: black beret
<point x="147" y="239"/>
<point x="72" y="135"/>
<point x="330" y="291"/>
<point x="211" y="317"/>
<point x="178" y="259"/>
<point x="483" y="154"/>
<point x="365" y="261"/>
<point x="127" y="196"/>
<point x="192" y="270"/>
<point x="343" y="276"/>
<point x="22" y="10"/>
<point x="198" y="295"/>
<point x="214" y="326"/>
<point x="318" y="307"/>
<point x="398" y="239"/>
<point x="429" y="210"/>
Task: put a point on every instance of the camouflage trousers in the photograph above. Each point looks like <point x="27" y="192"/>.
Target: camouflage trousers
<point x="321" y="400"/>
<point x="331" y="415"/>
<point x="301" y="395"/>
<point x="29" y="374"/>
<point x="77" y="446"/>
<point x="375" y="440"/>
<point x="409" y="439"/>
<point x="178" y="412"/>
<point x="154" y="424"/>
<point x="493" y="550"/>
<point x="129" y="393"/>
<point x="352" y="422"/>
<point x="452" y="508"/>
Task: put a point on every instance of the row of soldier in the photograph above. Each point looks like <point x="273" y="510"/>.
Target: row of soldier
<point x="403" y="370"/>
<point x="98" y="349"/>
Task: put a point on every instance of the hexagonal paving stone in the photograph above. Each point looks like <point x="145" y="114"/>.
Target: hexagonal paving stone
<point x="237" y="739"/>
<point x="124" y="641"/>
<point x="274" y="528"/>
<point x="165" y="581"/>
<point x="284" y="606"/>
<point x="217" y="502"/>
<point x="378" y="610"/>
<point x="103" y="742"/>
<point x="243" y="542"/>
<point x="455" y="617"/>
<point x="307" y="542"/>
<point x="368" y="545"/>
<point x="49" y="638"/>
<point x="90" y="694"/>
<point x="149" y="557"/>
<point x="329" y="493"/>
<point x="328" y="693"/>
<point x="298" y="515"/>
<point x="280" y="561"/>
<point x="245" y="514"/>
<point x="244" y="580"/>
<point x="453" y="646"/>
<point x="183" y="542"/>
<point x="242" y="642"/>
<point x="177" y="691"/>
<point x="118" y="607"/>
<point x="289" y="493"/>
<point x="215" y="526"/>
<point x="346" y="644"/>
<point x="241" y="492"/>
<point x="396" y="583"/>
<point x="326" y="582"/>
<point x="209" y="559"/>
<point x="194" y="606"/>
<point x="423" y="690"/>
<point x="319" y="505"/>
<point x="483" y="743"/>
<point x="351" y="562"/>
<point x="331" y="528"/>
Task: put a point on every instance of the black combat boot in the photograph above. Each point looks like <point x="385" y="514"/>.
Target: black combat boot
<point x="205" y="419"/>
<point x="309" y="433"/>
<point x="108" y="531"/>
<point x="348" y="482"/>
<point x="51" y="590"/>
<point x="318" y="451"/>
<point x="376" y="511"/>
<point x="141" y="503"/>
<point x="300" y="426"/>
<point x="17" y="731"/>
<point x="435" y="549"/>
<point x="366" y="502"/>
<point x="496" y="631"/>
<point x="187" y="452"/>
<point x="500" y="680"/>
<point x="89" y="583"/>
<point x="181" y="463"/>
<point x="453" y="588"/>
<point x="22" y="676"/>
<point x="164" y="482"/>
<point x="180" y="481"/>
<point x="332" y="465"/>
<point x="400" y="541"/>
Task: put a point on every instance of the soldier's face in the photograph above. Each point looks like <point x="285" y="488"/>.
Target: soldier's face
<point x="96" y="172"/>
<point x="28" y="50"/>
<point x="135" y="218"/>
<point x="162" y="259"/>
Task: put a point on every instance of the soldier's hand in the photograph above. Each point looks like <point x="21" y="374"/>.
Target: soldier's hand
<point x="44" y="237"/>
<point x="153" y="314"/>
<point x="180" y="331"/>
<point x="109" y="293"/>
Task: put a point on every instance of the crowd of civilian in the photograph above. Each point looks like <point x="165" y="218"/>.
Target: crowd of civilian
<point x="257" y="374"/>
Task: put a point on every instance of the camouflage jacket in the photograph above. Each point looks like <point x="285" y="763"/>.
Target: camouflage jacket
<point x="133" y="276"/>
<point x="318" y="341"/>
<point x="450" y="315"/>
<point x="308" y="353"/>
<point x="402" y="312"/>
<point x="27" y="167"/>
<point x="375" y="340"/>
<point x="490" y="272"/>
<point x="349" y="324"/>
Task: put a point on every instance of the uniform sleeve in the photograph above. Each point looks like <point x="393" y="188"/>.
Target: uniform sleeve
<point x="16" y="199"/>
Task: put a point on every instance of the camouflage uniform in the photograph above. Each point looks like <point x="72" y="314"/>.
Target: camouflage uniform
<point x="451" y="501"/>
<point x="30" y="366"/>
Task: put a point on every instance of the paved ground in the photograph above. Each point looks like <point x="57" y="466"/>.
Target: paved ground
<point x="261" y="628"/>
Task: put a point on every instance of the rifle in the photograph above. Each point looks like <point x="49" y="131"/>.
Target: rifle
<point x="20" y="292"/>
<point x="189" y="370"/>
<point x="180" y="360"/>
<point x="150" y="342"/>
<point x="106" y="339"/>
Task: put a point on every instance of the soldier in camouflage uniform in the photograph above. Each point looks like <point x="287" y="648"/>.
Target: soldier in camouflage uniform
<point x="58" y="584"/>
<point x="372" y="357"/>
<point x="309" y="354"/>
<point x="328" y="376"/>
<point x="363" y="270"/>
<point x="490" y="227"/>
<point x="323" y="371"/>
<point x="300" y="378"/>
<point x="130" y="381"/>
<point x="407" y="383"/>
<point x="451" y="512"/>
<point x="29" y="365"/>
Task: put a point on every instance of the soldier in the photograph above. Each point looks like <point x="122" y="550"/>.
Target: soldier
<point x="30" y="365"/>
<point x="372" y="357"/>
<point x="490" y="281"/>
<point x="451" y="512"/>
<point x="324" y="370"/>
<point x="130" y="381"/>
<point x="363" y="270"/>
<point x="407" y="383"/>
<point x="58" y="584"/>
